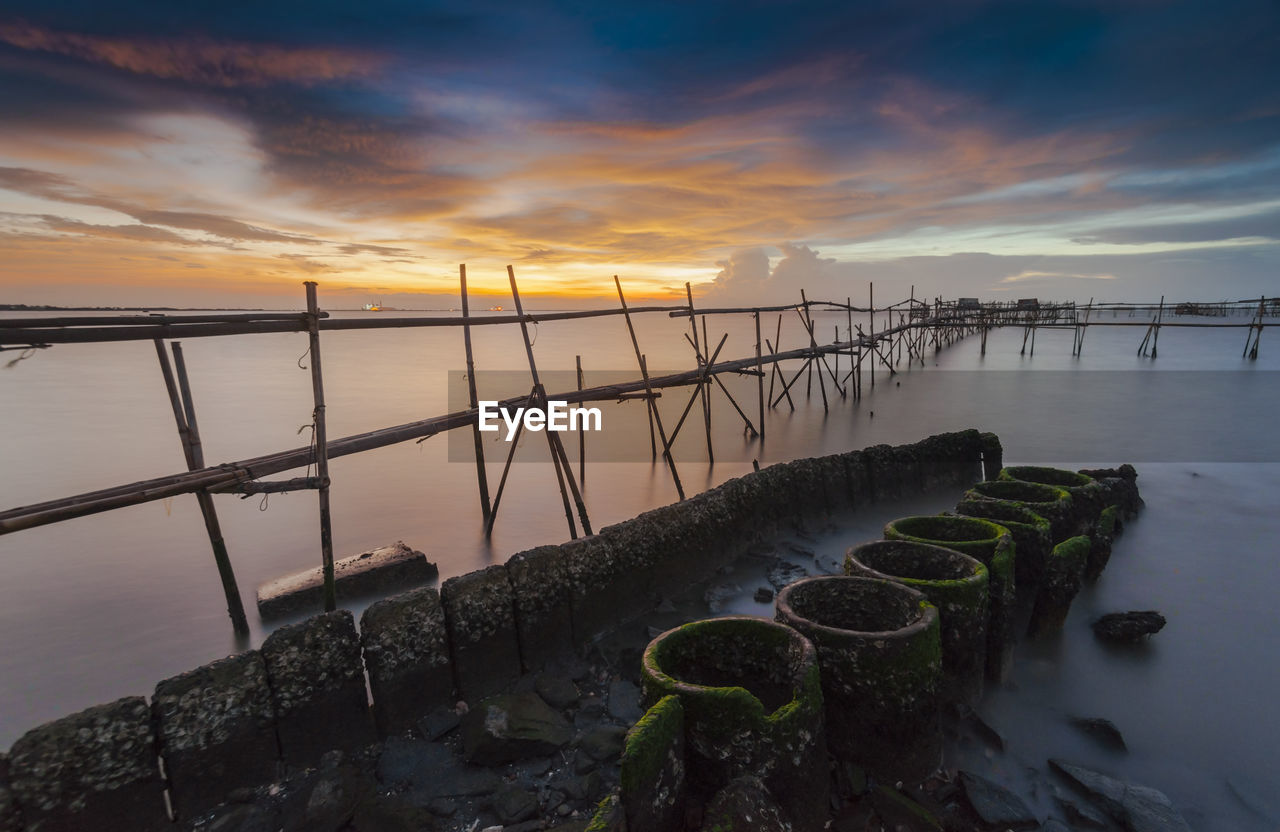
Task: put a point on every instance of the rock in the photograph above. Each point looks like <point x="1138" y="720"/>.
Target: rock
<point x="556" y="691"/>
<point x="443" y="807"/>
<point x="1077" y="815"/>
<point x="901" y="812"/>
<point x="510" y="727"/>
<point x="1054" y="825"/>
<point x="439" y="722"/>
<point x="745" y="805"/>
<point x="782" y="573"/>
<point x="1102" y="730"/>
<point x="996" y="805"/>
<point x="1138" y="808"/>
<point x="581" y="787"/>
<point x="389" y="814"/>
<point x="243" y="818"/>
<point x="763" y="595"/>
<point x="429" y="770"/>
<point x="331" y="802"/>
<point x="982" y="728"/>
<point x="604" y="742"/>
<point x="1128" y="627"/>
<point x="720" y="594"/>
<point x="513" y="804"/>
<point x="624" y="702"/>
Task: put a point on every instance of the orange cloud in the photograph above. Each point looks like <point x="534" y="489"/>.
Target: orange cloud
<point x="199" y="61"/>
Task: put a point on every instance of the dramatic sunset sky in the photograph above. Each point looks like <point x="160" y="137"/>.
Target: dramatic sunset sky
<point x="201" y="154"/>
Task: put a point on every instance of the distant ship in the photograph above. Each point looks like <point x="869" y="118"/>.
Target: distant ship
<point x="495" y="308"/>
<point x="373" y="307"/>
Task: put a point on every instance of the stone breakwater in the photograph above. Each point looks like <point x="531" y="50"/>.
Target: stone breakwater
<point x="208" y="735"/>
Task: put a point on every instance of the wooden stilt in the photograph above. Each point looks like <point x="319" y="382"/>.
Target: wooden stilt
<point x="653" y="404"/>
<point x="582" y="434"/>
<point x="321" y="448"/>
<point x="482" y="480"/>
<point x="653" y="442"/>
<point x="759" y="375"/>
<point x="184" y="415"/>
<point x="564" y="473"/>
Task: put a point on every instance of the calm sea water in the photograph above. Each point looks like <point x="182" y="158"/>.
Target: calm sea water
<point x="106" y="605"/>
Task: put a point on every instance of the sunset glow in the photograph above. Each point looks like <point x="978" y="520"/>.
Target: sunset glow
<point x="162" y="157"/>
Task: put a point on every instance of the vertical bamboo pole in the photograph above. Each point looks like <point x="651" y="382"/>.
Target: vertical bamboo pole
<point x="185" y="416"/>
<point x="653" y="440"/>
<point x="322" y="447"/>
<point x="703" y="391"/>
<point x="482" y="479"/>
<point x="1155" y="342"/>
<point x="759" y="375"/>
<point x="871" y="302"/>
<point x="648" y="389"/>
<point x="582" y="434"/>
<point x="558" y="456"/>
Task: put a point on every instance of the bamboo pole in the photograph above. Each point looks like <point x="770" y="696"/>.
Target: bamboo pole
<point x="558" y="456"/>
<point x="760" y="375"/>
<point x="184" y="415"/>
<point x="582" y="434"/>
<point x="482" y="480"/>
<point x="321" y="448"/>
<point x="702" y="391"/>
<point x="648" y="388"/>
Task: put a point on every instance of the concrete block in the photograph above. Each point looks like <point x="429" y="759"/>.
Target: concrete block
<point x="540" y="589"/>
<point x="381" y="570"/>
<point x="479" y="612"/>
<point x="406" y="651"/>
<point x="217" y="732"/>
<point x="10" y="820"/>
<point x="96" y="769"/>
<point x="599" y="593"/>
<point x="317" y="684"/>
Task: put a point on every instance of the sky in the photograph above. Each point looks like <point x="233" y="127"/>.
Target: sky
<point x="202" y="154"/>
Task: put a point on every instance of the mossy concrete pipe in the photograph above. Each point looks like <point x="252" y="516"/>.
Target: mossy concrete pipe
<point x="989" y="543"/>
<point x="752" y="702"/>
<point x="1050" y="502"/>
<point x="954" y="583"/>
<point x="1062" y="581"/>
<point x="1087" y="496"/>
<point x="1032" y="538"/>
<point x="879" y="647"/>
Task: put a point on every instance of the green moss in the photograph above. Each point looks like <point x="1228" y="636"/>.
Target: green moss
<point x="607" y="817"/>
<point x="649" y="742"/>
<point x="1045" y="476"/>
<point x="980" y="539"/>
<point x="1069" y="557"/>
<point x="1107" y="521"/>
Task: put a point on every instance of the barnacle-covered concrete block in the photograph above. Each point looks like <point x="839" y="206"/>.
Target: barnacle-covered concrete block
<point x="653" y="769"/>
<point x="96" y="769"/>
<point x="750" y="501"/>
<point x="1063" y="576"/>
<point x="317" y="684"/>
<point x="947" y="460"/>
<point x="752" y="701"/>
<point x="217" y="731"/>
<point x="879" y="649"/>
<point x="992" y="456"/>
<point x="479" y="612"/>
<point x="10" y="820"/>
<point x="406" y="652"/>
<point x="1101" y="539"/>
<point x="954" y="583"/>
<point x="992" y="545"/>
<point x="892" y="471"/>
<point x="605" y="586"/>
<point x="540" y="593"/>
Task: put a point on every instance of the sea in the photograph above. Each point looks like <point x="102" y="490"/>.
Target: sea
<point x="104" y="606"/>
